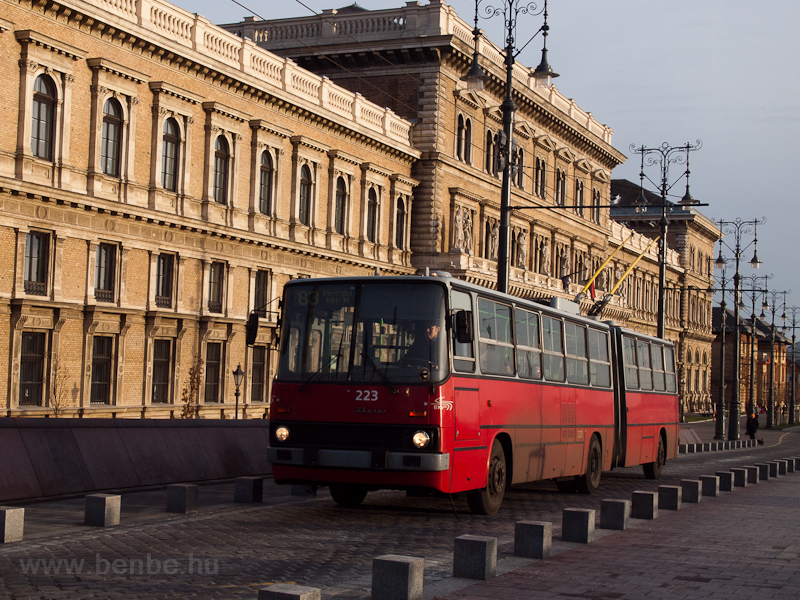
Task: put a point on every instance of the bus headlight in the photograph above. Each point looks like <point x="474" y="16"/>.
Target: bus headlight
<point x="282" y="433"/>
<point x="421" y="439"/>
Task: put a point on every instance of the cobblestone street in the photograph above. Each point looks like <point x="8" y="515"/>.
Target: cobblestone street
<point x="228" y="550"/>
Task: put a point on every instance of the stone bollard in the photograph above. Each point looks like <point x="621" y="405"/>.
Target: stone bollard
<point x="682" y="448"/>
<point x="691" y="490"/>
<point x="644" y="505"/>
<point x="533" y="539"/>
<point x="782" y="469"/>
<point x="615" y="514"/>
<point x="289" y="591"/>
<point x="475" y="557"/>
<point x="706" y="447"/>
<point x="12" y="522"/>
<point x="726" y="445"/>
<point x="789" y="465"/>
<point x="669" y="497"/>
<point x="710" y="485"/>
<point x="725" y="481"/>
<point x="796" y="460"/>
<point x="773" y="469"/>
<point x="577" y="525"/>
<point x="182" y="498"/>
<point x="752" y="474"/>
<point x="102" y="510"/>
<point x="763" y="471"/>
<point x="691" y="448"/>
<point x="714" y="447"/>
<point x="397" y="577"/>
<point x="739" y="477"/>
<point x="248" y="490"/>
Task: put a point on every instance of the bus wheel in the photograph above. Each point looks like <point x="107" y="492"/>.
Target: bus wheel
<point x="653" y="470"/>
<point x="590" y="481"/>
<point x="348" y="494"/>
<point x="487" y="501"/>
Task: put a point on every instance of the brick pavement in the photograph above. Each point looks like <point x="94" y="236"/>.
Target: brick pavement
<point x="746" y="537"/>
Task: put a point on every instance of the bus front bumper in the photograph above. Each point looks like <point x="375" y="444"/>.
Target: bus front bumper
<point x="359" y="459"/>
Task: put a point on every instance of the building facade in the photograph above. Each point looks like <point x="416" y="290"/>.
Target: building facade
<point x="160" y="179"/>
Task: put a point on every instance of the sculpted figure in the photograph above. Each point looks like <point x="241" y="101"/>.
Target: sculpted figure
<point x="545" y="266"/>
<point x="494" y="240"/>
<point x="522" y="250"/>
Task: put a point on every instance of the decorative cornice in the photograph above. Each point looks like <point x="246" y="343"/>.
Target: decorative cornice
<point x="28" y="36"/>
<point x="227" y="111"/>
<point x="301" y="140"/>
<point x="270" y="127"/>
<point x="116" y="69"/>
<point x="162" y="87"/>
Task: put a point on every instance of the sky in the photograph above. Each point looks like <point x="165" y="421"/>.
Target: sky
<point x="726" y="72"/>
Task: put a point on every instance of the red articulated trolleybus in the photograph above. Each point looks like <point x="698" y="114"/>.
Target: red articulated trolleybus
<point x="429" y="383"/>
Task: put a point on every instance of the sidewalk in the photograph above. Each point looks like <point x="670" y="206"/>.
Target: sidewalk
<point x="706" y="430"/>
<point x="743" y="544"/>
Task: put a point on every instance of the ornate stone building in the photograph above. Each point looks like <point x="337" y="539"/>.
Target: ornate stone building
<point x="411" y="59"/>
<point x="160" y="178"/>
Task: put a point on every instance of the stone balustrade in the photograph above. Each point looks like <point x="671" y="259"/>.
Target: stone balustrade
<point x="192" y="31"/>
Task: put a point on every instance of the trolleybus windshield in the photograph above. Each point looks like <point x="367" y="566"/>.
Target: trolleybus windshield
<point x="378" y="333"/>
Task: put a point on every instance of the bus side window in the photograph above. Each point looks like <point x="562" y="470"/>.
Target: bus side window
<point x="463" y="354"/>
<point x="669" y="367"/>
<point x="529" y="352"/>
<point x="658" y="367"/>
<point x="645" y="373"/>
<point x="577" y="365"/>
<point x="599" y="365"/>
<point x="552" y="343"/>
<point x="629" y="358"/>
<point x="496" y="348"/>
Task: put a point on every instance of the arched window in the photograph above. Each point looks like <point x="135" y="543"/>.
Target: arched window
<point x="112" y="138"/>
<point x="400" y="228"/>
<point x="169" y="155"/>
<point x="460" y="138"/>
<point x="468" y="141"/>
<point x="489" y="152"/>
<point x="521" y="169"/>
<point x="372" y="215"/>
<point x="341" y="204"/>
<point x="579" y="197"/>
<point x="305" y="195"/>
<point x="222" y="159"/>
<point x="44" y="103"/>
<point x="561" y="187"/>
<point x="265" y="183"/>
<point x="541" y="177"/>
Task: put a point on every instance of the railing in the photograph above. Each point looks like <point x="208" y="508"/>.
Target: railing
<point x="36" y="288"/>
<point x="237" y="49"/>
<point x="104" y="295"/>
<point x="163" y="301"/>
<point x="214" y="307"/>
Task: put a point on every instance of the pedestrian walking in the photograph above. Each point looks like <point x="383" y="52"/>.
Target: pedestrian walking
<point x="752" y="425"/>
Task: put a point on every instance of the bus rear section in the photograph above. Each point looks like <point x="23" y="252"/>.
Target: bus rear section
<point x="648" y="400"/>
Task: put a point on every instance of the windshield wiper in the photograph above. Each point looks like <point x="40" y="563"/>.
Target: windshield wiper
<point x="378" y="371"/>
<point x="315" y="374"/>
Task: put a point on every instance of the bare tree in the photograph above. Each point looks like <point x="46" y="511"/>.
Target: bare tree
<point x="190" y="395"/>
<point x="59" y="387"/>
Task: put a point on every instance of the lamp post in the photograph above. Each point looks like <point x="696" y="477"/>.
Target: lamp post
<point x="664" y="156"/>
<point x="771" y="400"/>
<point x="238" y="375"/>
<point x="754" y="292"/>
<point x="737" y="228"/>
<point x="793" y="311"/>
<point x="510" y="10"/>
<point x="719" y="425"/>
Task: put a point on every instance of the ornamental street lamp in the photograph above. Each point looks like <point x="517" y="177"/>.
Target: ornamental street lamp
<point x="793" y="310"/>
<point x="774" y="294"/>
<point x="238" y="375"/>
<point x="474" y="79"/>
<point x="719" y="429"/>
<point x="663" y="156"/>
<point x="754" y="292"/>
<point x="737" y="228"/>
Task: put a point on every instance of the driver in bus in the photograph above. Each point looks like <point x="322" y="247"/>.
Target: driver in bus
<point x="424" y="350"/>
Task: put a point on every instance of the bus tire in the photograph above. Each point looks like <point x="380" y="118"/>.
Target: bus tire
<point x="590" y="481"/>
<point x="653" y="470"/>
<point x="487" y="501"/>
<point x="349" y="495"/>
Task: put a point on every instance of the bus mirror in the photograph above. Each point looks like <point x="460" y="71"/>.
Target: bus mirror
<point x="463" y="326"/>
<point x="251" y="329"/>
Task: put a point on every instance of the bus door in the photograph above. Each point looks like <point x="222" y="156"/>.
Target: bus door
<point x="633" y="403"/>
<point x="554" y="448"/>
<point x="466" y="391"/>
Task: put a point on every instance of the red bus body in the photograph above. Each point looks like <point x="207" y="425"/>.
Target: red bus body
<point x="359" y="433"/>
